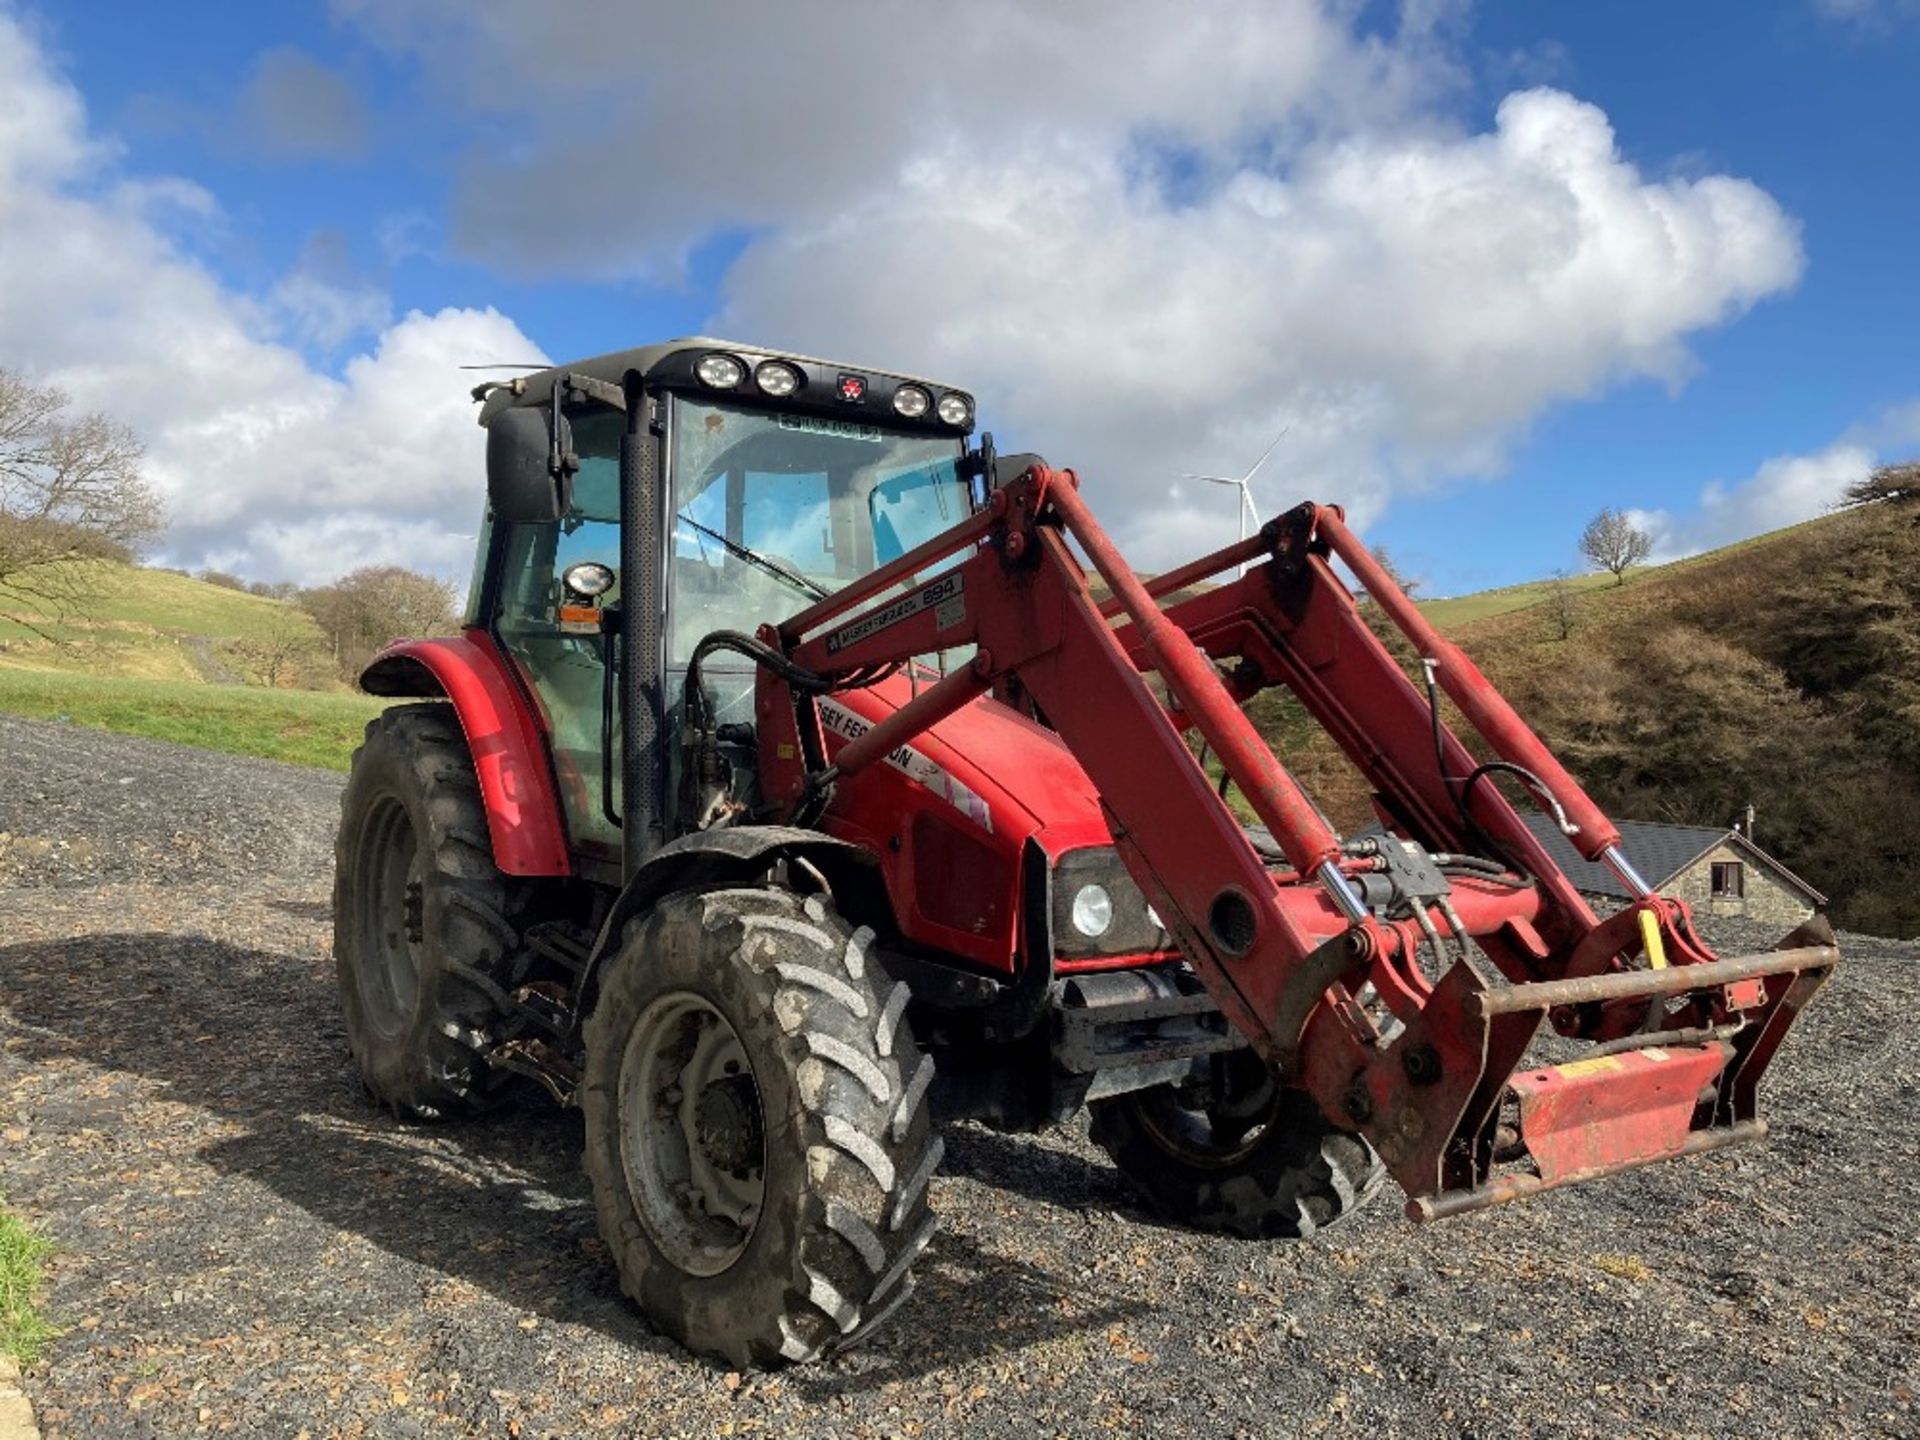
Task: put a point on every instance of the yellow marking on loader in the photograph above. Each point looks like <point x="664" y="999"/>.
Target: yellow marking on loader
<point x="1595" y="1066"/>
<point x="1650" y="936"/>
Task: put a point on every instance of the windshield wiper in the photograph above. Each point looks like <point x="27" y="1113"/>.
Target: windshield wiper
<point x="754" y="557"/>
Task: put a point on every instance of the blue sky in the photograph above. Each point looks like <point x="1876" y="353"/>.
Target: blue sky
<point x="1659" y="256"/>
<point x="1817" y="110"/>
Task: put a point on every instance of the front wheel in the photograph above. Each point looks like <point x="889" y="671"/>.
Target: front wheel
<point x="1260" y="1161"/>
<point x="757" y="1129"/>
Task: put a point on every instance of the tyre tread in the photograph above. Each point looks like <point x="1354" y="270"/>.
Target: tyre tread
<point x="861" y="1085"/>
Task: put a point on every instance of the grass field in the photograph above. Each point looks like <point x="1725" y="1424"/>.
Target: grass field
<point x="1465" y="609"/>
<point x="24" y="1331"/>
<point x="1454" y="612"/>
<point x="176" y="604"/>
<point x="302" y="726"/>
<point x="141" y="624"/>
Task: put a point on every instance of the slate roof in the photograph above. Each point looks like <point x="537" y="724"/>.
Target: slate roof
<point x="1658" y="852"/>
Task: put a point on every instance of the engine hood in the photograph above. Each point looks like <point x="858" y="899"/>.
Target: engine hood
<point x="1012" y="777"/>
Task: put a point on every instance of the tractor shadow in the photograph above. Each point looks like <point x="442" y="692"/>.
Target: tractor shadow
<point x="253" y="1037"/>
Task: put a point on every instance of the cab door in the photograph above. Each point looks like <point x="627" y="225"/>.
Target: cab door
<point x="562" y="658"/>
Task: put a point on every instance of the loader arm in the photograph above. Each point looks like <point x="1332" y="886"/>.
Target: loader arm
<point x="1347" y="995"/>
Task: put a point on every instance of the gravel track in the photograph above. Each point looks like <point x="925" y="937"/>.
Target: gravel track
<point x="246" y="1247"/>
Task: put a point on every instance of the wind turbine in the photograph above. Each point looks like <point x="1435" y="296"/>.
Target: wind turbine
<point x="1247" y="508"/>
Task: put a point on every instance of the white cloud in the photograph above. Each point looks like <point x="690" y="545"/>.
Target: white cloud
<point x="324" y="302"/>
<point x="328" y="314"/>
<point x="1148" y="245"/>
<point x="1784" y="491"/>
<point x="42" y="125"/>
<point x="1406" y="303"/>
<point x="647" y="127"/>
<point x="1872" y="15"/>
<point x="270" y="467"/>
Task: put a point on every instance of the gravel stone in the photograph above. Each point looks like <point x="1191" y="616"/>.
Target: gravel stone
<point x="248" y="1247"/>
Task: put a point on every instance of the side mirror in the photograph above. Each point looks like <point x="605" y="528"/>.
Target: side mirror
<point x="529" y="468"/>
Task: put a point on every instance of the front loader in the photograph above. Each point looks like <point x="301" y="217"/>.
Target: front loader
<point x="790" y="793"/>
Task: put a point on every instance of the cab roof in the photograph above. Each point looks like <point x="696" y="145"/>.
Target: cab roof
<point x="537" y="388"/>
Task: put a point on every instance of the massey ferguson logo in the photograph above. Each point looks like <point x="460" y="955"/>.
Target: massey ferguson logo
<point x="944" y="592"/>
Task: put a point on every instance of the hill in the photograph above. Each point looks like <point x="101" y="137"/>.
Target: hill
<point x="1782" y="672"/>
<point x="146" y="624"/>
<point x="150" y="652"/>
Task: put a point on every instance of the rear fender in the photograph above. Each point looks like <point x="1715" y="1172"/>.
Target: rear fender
<point x="506" y="740"/>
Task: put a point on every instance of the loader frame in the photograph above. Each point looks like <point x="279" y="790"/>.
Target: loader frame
<point x="1329" y="988"/>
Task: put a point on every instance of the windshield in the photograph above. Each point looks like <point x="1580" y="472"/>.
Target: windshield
<point x="773" y="511"/>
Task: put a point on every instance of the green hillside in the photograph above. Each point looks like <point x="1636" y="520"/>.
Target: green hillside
<point x="149" y="652"/>
<point x="1455" y="613"/>
<point x="123" y="620"/>
<point x="1782" y="672"/>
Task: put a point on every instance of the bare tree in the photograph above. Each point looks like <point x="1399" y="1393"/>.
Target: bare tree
<point x="1888" y="482"/>
<point x="285" y="652"/>
<point x="362" y="611"/>
<point x="71" y="488"/>
<point x="1559" y="604"/>
<point x="1613" y="542"/>
<point x="1394" y="573"/>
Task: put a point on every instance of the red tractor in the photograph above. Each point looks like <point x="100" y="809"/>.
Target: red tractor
<point x="789" y="792"/>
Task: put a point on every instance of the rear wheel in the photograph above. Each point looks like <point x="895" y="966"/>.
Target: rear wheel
<point x="757" y="1129"/>
<point x="425" y="927"/>
<point x="1260" y="1161"/>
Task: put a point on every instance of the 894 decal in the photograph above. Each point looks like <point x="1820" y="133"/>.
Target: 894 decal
<point x="946" y="593"/>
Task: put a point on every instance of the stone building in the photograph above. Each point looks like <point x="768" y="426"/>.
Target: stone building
<point x="1717" y="872"/>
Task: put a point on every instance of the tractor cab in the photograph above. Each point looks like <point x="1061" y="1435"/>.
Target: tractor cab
<point x="748" y="486"/>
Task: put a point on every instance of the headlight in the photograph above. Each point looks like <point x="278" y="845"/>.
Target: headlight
<point x="722" y="372"/>
<point x="1092" y="911"/>
<point x="954" y="409"/>
<point x="911" y="401"/>
<point x="1098" y="910"/>
<point x="776" y="379"/>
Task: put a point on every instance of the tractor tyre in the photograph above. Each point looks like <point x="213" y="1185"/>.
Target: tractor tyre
<point x="758" y="1135"/>
<point x="425" y="927"/>
<point x="1268" y="1168"/>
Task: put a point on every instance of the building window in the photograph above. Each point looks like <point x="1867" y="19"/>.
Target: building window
<point x="1729" y="880"/>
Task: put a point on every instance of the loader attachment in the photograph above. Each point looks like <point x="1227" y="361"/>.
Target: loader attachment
<point x="1403" y="978"/>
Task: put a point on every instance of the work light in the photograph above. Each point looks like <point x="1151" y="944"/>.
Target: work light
<point x="589" y="578"/>
<point x="911" y="401"/>
<point x="722" y="372"/>
<point x="776" y="379"/>
<point x="955" y="409"/>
